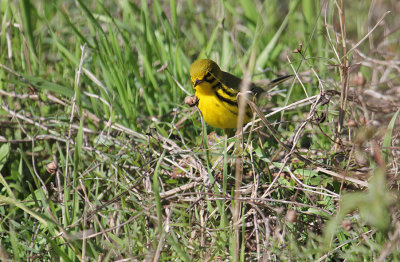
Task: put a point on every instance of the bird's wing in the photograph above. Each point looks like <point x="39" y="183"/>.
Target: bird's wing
<point x="230" y="80"/>
<point x="234" y="82"/>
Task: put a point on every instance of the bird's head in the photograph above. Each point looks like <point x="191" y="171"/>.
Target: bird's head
<point x="204" y="70"/>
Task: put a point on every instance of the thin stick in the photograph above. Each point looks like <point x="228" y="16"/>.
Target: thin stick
<point x="369" y="33"/>
<point x="351" y="179"/>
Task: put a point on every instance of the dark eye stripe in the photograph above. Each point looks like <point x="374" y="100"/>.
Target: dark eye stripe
<point x="209" y="78"/>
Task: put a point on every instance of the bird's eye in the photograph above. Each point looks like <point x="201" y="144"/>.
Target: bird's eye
<point x="208" y="75"/>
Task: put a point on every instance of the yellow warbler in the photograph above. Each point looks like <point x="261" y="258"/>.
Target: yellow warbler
<point x="217" y="92"/>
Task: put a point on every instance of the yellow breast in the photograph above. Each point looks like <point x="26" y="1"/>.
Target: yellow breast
<point x="215" y="111"/>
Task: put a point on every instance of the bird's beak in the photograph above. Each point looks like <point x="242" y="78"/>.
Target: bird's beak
<point x="197" y="82"/>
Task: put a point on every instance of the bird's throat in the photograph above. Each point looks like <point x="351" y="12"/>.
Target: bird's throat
<point x="204" y="89"/>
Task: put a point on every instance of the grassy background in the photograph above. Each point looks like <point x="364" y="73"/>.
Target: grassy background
<point x="100" y="159"/>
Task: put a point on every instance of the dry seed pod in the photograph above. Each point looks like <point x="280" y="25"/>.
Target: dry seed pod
<point x="191" y="100"/>
<point x="52" y="167"/>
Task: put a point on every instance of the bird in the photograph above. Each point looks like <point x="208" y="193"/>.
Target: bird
<point x="216" y="93"/>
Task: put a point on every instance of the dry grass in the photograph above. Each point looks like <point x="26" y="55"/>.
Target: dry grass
<point x="107" y="191"/>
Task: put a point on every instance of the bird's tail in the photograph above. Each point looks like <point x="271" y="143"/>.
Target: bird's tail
<point x="279" y="80"/>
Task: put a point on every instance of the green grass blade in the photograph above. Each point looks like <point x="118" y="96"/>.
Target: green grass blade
<point x="387" y="141"/>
